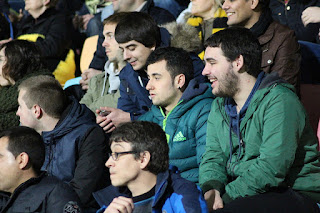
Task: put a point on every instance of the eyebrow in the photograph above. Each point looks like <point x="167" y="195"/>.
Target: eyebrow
<point x="130" y="45"/>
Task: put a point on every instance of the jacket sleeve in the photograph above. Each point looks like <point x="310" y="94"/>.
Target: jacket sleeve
<point x="212" y="172"/>
<point x="125" y="103"/>
<point x="282" y="124"/>
<point x="56" y="39"/>
<point x="90" y="173"/>
<point x="287" y="59"/>
<point x="62" y="199"/>
<point x="201" y="130"/>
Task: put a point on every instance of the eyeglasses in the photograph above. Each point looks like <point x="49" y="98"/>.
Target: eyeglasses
<point x="115" y="155"/>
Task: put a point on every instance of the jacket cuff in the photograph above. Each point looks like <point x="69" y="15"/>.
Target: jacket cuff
<point x="213" y="184"/>
<point x="226" y="198"/>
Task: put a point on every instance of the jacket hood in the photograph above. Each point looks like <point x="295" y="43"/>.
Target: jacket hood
<point x="184" y="36"/>
<point x="273" y="78"/>
<point x="193" y="94"/>
<point x="73" y="116"/>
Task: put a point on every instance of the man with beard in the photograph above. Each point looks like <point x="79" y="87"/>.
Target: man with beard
<point x="261" y="153"/>
<point x="280" y="49"/>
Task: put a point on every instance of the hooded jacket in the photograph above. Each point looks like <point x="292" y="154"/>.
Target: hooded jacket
<point x="41" y="194"/>
<point x="172" y="194"/>
<point x="76" y="151"/>
<point x="185" y="126"/>
<point x="134" y="97"/>
<point x="277" y="146"/>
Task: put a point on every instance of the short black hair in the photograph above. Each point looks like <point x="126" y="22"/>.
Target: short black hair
<point x="145" y="136"/>
<point x="236" y="41"/>
<point x="139" y="27"/>
<point x="25" y="139"/>
<point x="178" y="62"/>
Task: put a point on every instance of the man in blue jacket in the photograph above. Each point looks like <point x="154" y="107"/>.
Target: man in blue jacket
<point x="138" y="35"/>
<point x="75" y="144"/>
<point x="180" y="105"/>
<point x="140" y="177"/>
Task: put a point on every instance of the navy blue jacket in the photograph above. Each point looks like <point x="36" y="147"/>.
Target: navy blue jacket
<point x="290" y="15"/>
<point x="160" y="15"/>
<point x="76" y="151"/>
<point x="172" y="194"/>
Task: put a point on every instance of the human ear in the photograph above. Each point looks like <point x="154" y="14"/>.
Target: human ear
<point x="23" y="160"/>
<point x="238" y="63"/>
<point x="180" y="80"/>
<point x="144" y="159"/>
<point x="37" y="111"/>
<point x="254" y="4"/>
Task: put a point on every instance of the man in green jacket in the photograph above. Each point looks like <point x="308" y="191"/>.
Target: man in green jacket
<point x="261" y="154"/>
<point x="181" y="106"/>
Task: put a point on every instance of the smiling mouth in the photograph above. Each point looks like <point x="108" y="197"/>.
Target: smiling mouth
<point x="213" y="80"/>
<point x="230" y="14"/>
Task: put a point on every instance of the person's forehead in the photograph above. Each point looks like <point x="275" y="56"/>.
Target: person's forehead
<point x="109" y="28"/>
<point x="158" y="67"/>
<point x="130" y="43"/>
<point x="213" y="52"/>
<point x="120" y="145"/>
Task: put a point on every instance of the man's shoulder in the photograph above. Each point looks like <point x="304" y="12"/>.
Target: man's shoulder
<point x="276" y="31"/>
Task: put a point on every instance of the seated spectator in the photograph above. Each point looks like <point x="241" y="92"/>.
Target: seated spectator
<point x="29" y="190"/>
<point x="208" y="18"/>
<point x="138" y="35"/>
<point x="181" y="106"/>
<point x="104" y="88"/>
<point x="160" y="16"/>
<point x="280" y="49"/>
<point x="50" y="30"/>
<point x="301" y="16"/>
<point x="261" y="153"/>
<point x="75" y="145"/>
<point x="141" y="181"/>
<point x="19" y="60"/>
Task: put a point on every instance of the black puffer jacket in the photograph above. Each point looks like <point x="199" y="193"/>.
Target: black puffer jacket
<point x="41" y="194"/>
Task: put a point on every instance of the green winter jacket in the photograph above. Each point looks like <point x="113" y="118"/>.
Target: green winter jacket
<point x="278" y="146"/>
<point x="185" y="126"/>
<point x="93" y="98"/>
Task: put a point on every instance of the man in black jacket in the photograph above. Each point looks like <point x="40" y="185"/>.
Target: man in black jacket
<point x="25" y="188"/>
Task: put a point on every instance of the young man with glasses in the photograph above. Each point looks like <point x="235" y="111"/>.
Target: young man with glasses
<point x="141" y="181"/>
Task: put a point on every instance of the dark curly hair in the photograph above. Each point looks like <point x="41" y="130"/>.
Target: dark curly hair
<point x="21" y="58"/>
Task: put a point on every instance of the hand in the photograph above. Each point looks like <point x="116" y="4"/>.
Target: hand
<point x="86" y="18"/>
<point x="16" y="17"/>
<point x="86" y="76"/>
<point x="113" y="119"/>
<point x="120" y="205"/>
<point x="311" y="15"/>
<point x="5" y="41"/>
<point x="214" y="200"/>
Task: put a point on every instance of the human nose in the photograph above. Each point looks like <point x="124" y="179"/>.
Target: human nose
<point x="225" y="5"/>
<point x="126" y="55"/>
<point x="149" y="85"/>
<point x="109" y="162"/>
<point x="105" y="43"/>
<point x="206" y="71"/>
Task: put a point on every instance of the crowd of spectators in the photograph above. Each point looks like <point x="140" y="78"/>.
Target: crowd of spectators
<point x="185" y="106"/>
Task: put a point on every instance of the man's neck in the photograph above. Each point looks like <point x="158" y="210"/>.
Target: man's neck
<point x="252" y="20"/>
<point x="246" y="85"/>
<point x="173" y="104"/>
<point x="143" y="183"/>
<point x="47" y="124"/>
<point x="139" y="5"/>
<point x="37" y="13"/>
<point x="27" y="175"/>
